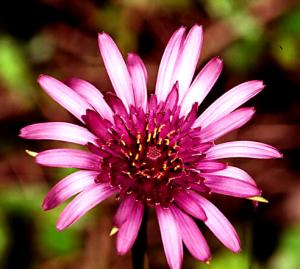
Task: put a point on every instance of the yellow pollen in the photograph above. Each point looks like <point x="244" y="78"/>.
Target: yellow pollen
<point x="113" y="231"/>
<point x="155" y="133"/>
<point x="258" y="199"/>
<point x="149" y="138"/>
<point x="31" y="153"/>
<point x="176" y="167"/>
<point x="159" y="141"/>
<point x="160" y="127"/>
<point x="136" y="156"/>
<point x="140" y="147"/>
<point x="165" y="166"/>
<point x="138" y="140"/>
<point x="123" y="142"/>
<point x="130" y="153"/>
<point x="167" y="142"/>
<point x="170" y="133"/>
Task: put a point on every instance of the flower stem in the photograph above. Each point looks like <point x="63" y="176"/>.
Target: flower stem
<point x="139" y="255"/>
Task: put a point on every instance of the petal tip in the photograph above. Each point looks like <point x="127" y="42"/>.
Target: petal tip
<point x="45" y="206"/>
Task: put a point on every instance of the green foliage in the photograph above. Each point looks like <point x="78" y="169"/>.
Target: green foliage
<point x="287" y="255"/>
<point x="226" y="259"/>
<point x="291" y="23"/>
<point x="244" y="54"/>
<point x="14" y="68"/>
<point x="52" y="242"/>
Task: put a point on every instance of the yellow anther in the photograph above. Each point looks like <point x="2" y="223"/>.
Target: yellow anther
<point x="165" y="166"/>
<point x="136" y="156"/>
<point x="130" y="153"/>
<point x="176" y="167"/>
<point x="140" y="148"/>
<point x="123" y="142"/>
<point x="113" y="231"/>
<point x="155" y="133"/>
<point x="149" y="138"/>
<point x="31" y="153"/>
<point x="147" y="126"/>
<point x="138" y="139"/>
<point x="258" y="199"/>
<point x="170" y="133"/>
<point x="167" y="141"/>
<point x="159" y="141"/>
<point x="160" y="127"/>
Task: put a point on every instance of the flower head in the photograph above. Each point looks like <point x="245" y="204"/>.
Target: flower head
<point x="152" y="152"/>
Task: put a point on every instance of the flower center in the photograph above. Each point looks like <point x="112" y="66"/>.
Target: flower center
<point x="153" y="153"/>
<point x="150" y="155"/>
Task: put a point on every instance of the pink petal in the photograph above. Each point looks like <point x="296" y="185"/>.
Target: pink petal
<point x="68" y="187"/>
<point x="96" y="124"/>
<point x="210" y="166"/>
<point x="244" y="149"/>
<point x="93" y="96"/>
<point x="116" y="69"/>
<point x="219" y="224"/>
<point x="187" y="60"/>
<point x="201" y="85"/>
<point x="191" y="235"/>
<point x="189" y="205"/>
<point x="129" y="229"/>
<point x="228" y="123"/>
<point x="171" y="237"/>
<point x="124" y="210"/>
<point x="60" y="131"/>
<point x="230" y="186"/>
<point x="172" y="98"/>
<point x="167" y="65"/>
<point x="83" y="202"/>
<point x="234" y="172"/>
<point x="69" y="158"/>
<point x="64" y="95"/>
<point x="229" y="102"/>
<point x="138" y="73"/>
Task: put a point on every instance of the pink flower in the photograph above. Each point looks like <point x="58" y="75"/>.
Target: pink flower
<point x="152" y="152"/>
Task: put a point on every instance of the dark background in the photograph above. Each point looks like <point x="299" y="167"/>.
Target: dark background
<point x="258" y="39"/>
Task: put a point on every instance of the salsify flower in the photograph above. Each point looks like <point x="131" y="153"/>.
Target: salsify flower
<point x="155" y="151"/>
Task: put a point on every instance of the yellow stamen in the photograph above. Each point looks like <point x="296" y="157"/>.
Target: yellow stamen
<point x="176" y="167"/>
<point x="149" y="138"/>
<point x="258" y="199"/>
<point x="136" y="156"/>
<point x="155" y="132"/>
<point x="123" y="142"/>
<point x="160" y="127"/>
<point x="140" y="147"/>
<point x="138" y="139"/>
<point x="31" y="153"/>
<point x="113" y="231"/>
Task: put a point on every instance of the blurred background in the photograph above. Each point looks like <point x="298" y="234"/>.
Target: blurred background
<point x="258" y="39"/>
